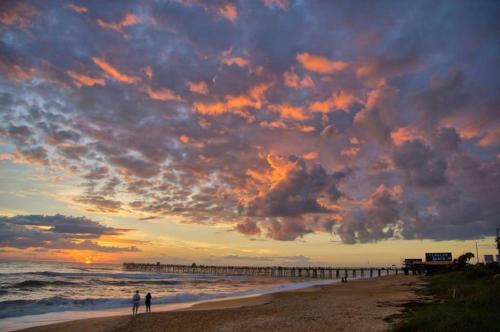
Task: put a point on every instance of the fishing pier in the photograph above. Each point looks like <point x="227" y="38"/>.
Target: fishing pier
<point x="268" y="271"/>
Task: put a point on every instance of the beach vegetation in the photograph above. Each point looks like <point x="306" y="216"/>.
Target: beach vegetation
<point x="463" y="300"/>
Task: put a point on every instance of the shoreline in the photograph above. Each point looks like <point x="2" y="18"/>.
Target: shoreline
<point x="29" y="321"/>
<point x="362" y="304"/>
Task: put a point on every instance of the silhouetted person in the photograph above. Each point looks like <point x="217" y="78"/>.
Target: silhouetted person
<point x="148" y="302"/>
<point x="136" y="299"/>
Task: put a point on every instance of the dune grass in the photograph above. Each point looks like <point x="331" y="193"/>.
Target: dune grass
<point x="474" y="307"/>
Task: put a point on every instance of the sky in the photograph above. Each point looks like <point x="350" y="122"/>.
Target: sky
<point x="259" y="132"/>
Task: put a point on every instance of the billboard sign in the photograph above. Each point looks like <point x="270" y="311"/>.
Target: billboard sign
<point x="438" y="257"/>
<point x="488" y="259"/>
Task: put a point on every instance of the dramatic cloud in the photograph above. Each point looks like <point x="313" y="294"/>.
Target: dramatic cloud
<point x="162" y="94"/>
<point x="77" y="9"/>
<point x="56" y="232"/>
<point x="292" y="80"/>
<point x="229" y="11"/>
<point x="113" y="72"/>
<point x="274" y="118"/>
<point x="420" y="164"/>
<point x="320" y="64"/>
<point x="17" y="14"/>
<point x="198" y="87"/>
<point x="376" y="219"/>
<point x="82" y="79"/>
<point x="129" y="20"/>
<point x="338" y="101"/>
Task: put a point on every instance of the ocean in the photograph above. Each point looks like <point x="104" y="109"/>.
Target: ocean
<point x="31" y="288"/>
<point x="39" y="293"/>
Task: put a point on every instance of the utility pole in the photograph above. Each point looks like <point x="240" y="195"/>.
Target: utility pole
<point x="498" y="244"/>
<point x="477" y="254"/>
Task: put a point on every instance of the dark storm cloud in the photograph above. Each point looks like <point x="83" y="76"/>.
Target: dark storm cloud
<point x="444" y="96"/>
<point x="56" y="232"/>
<point x="375" y="220"/>
<point x="248" y="227"/>
<point x="298" y="193"/>
<point x="421" y="165"/>
<point x="175" y="107"/>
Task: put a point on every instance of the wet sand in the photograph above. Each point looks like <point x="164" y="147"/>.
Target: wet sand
<point x="362" y="305"/>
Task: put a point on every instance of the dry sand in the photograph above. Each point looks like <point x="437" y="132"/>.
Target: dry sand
<point x="362" y="305"/>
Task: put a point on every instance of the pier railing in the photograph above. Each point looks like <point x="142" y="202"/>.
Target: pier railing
<point x="267" y="271"/>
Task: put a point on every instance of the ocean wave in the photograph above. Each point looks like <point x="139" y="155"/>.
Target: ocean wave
<point x="118" y="275"/>
<point x="17" y="308"/>
<point x="142" y="277"/>
<point x="41" y="283"/>
<point x="135" y="282"/>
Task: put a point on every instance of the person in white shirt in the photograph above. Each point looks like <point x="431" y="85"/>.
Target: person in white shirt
<point x="136" y="299"/>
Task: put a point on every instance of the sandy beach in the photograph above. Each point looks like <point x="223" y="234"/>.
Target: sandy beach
<point x="362" y="305"/>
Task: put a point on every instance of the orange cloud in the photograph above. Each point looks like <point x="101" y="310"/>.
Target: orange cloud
<point x="310" y="155"/>
<point x="307" y="129"/>
<point x="366" y="69"/>
<point x="161" y="94"/>
<point x="241" y="101"/>
<point x="491" y="138"/>
<point x="81" y="79"/>
<point x="76" y="8"/>
<point x="20" y="15"/>
<point x="210" y="108"/>
<point x="350" y="152"/>
<point x="273" y="125"/>
<point x="280" y="168"/>
<point x="26" y="158"/>
<point x="129" y="20"/>
<point x="253" y="99"/>
<point x="198" y="87"/>
<point x="228" y="11"/>
<point x="113" y="72"/>
<point x="292" y="80"/>
<point x="238" y="61"/>
<point x="184" y="139"/>
<point x="15" y="72"/>
<point x="404" y="134"/>
<point x="337" y="101"/>
<point x="320" y="64"/>
<point x="148" y="71"/>
<point x="289" y="112"/>
<point x="288" y="126"/>
<point x="258" y="91"/>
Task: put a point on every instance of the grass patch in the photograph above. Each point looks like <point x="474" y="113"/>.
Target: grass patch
<point x="475" y="307"/>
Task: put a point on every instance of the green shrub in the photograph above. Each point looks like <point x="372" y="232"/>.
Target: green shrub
<point x="475" y="307"/>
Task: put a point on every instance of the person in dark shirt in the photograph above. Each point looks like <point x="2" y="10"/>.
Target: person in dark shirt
<point x="148" y="302"/>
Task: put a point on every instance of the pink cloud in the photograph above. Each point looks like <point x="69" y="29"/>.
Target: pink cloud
<point x="320" y="64"/>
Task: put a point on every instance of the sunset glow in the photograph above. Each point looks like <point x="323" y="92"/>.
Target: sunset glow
<point x="248" y="132"/>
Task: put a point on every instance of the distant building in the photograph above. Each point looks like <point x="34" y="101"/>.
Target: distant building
<point x="412" y="262"/>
